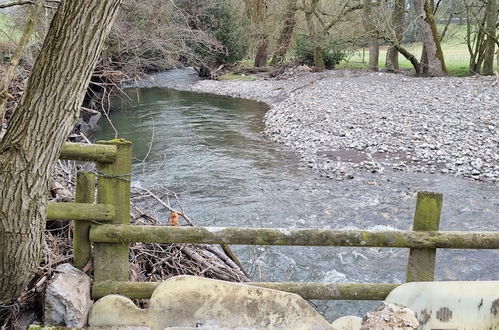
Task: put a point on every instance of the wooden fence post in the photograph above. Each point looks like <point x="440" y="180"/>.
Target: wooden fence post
<point x="85" y="193"/>
<point x="111" y="260"/>
<point x="421" y="263"/>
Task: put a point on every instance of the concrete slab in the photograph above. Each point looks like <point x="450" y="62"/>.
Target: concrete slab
<point x="451" y="305"/>
<point x="189" y="301"/>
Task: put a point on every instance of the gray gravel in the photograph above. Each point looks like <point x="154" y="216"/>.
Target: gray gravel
<point x="342" y="121"/>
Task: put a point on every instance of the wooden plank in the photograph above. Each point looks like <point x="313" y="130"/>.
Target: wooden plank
<point x="111" y="258"/>
<point x="88" y="152"/>
<point x="298" y="237"/>
<point x="308" y="290"/>
<point x="85" y="193"/>
<point x="80" y="211"/>
<point x="421" y="263"/>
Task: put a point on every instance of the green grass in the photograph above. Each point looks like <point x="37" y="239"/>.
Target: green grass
<point x="454" y="48"/>
<point x="456" y="58"/>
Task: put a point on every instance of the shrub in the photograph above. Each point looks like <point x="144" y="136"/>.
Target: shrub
<point x="222" y="21"/>
<point x="333" y="51"/>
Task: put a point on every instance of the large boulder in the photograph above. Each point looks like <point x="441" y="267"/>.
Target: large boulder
<point x="67" y="297"/>
<point x="193" y="302"/>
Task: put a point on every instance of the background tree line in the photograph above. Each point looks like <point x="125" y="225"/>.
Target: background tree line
<point x="161" y="34"/>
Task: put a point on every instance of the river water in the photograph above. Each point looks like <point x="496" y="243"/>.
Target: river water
<point x="211" y="150"/>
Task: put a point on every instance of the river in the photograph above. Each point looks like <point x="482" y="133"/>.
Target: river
<point x="211" y="150"/>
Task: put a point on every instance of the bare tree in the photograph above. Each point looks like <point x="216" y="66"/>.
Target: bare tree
<point x="433" y="63"/>
<point x="41" y="123"/>
<point x="398" y="27"/>
<point x="286" y="33"/>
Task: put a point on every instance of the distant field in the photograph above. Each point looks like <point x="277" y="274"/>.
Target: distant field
<point x="454" y="47"/>
<point x="456" y="58"/>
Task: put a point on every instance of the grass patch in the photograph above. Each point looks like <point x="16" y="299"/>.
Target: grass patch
<point x="456" y="58"/>
<point x="233" y="76"/>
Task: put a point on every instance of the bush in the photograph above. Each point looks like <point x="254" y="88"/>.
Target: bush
<point x="333" y="51"/>
<point x="222" y="21"/>
<point x="228" y="29"/>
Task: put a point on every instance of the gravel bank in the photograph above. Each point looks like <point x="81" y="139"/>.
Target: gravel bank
<point x="341" y="122"/>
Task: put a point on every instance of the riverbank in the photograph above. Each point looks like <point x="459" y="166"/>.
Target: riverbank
<point x="342" y="122"/>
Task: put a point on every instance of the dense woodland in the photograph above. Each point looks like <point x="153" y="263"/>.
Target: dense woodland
<point x="59" y="54"/>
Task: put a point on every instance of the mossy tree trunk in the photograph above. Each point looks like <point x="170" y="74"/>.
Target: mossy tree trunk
<point x="257" y="12"/>
<point x="45" y="116"/>
<point x="315" y="42"/>
<point x="490" y="42"/>
<point x="433" y="63"/>
<point x="398" y="25"/>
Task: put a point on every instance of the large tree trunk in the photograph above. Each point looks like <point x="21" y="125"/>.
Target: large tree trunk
<point x="256" y="10"/>
<point x="433" y="64"/>
<point x="373" y="35"/>
<point x="42" y="121"/>
<point x="398" y="23"/>
<point x="286" y="33"/>
<point x="490" y="42"/>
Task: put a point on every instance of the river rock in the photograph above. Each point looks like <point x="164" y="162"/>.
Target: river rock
<point x="390" y="317"/>
<point x="87" y="121"/>
<point x="67" y="297"/>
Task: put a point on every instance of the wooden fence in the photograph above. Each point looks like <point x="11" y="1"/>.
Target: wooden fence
<point x="102" y="231"/>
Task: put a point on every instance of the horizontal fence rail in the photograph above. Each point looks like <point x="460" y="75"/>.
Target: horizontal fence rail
<point x="107" y="244"/>
<point x="307" y="290"/>
<point x="298" y="237"/>
<point x="89" y="152"/>
<point x="80" y="211"/>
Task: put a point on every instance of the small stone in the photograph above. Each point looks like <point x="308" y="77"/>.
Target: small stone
<point x="390" y="316"/>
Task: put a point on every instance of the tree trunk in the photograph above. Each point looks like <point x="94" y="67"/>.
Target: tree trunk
<point x="45" y="116"/>
<point x="286" y="33"/>
<point x="490" y="43"/>
<point x="373" y="35"/>
<point x="398" y="23"/>
<point x="314" y="37"/>
<point x="262" y="53"/>
<point x="373" y="51"/>
<point x="435" y="65"/>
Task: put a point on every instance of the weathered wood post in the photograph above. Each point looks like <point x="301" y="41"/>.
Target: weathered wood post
<point x="111" y="259"/>
<point x="85" y="193"/>
<point x="421" y="263"/>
